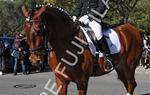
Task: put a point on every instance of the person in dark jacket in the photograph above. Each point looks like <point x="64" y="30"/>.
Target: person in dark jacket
<point x="89" y="13"/>
<point x="146" y="43"/>
<point x="18" y="53"/>
<point x="2" y="65"/>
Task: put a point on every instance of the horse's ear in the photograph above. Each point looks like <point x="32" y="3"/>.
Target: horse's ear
<point x="25" y="11"/>
<point x="41" y="10"/>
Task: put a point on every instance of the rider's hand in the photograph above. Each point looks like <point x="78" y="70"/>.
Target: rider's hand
<point x="84" y="19"/>
<point x="74" y="18"/>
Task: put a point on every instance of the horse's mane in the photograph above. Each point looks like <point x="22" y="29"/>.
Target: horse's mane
<point x="59" y="19"/>
<point x="58" y="8"/>
<point x="59" y="24"/>
<point x="58" y="12"/>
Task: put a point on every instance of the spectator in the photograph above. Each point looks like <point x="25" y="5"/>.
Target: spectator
<point x="146" y="42"/>
<point x="1" y="58"/>
<point x="18" y="53"/>
<point x="145" y="39"/>
<point x="26" y="54"/>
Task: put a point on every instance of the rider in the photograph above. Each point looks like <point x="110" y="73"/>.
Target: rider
<point x="83" y="12"/>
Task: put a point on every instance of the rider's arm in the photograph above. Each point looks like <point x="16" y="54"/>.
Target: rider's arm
<point x="99" y="9"/>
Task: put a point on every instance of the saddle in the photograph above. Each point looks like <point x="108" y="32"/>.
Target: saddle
<point x="110" y="35"/>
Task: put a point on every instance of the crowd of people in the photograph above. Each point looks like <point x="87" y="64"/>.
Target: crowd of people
<point x="19" y="56"/>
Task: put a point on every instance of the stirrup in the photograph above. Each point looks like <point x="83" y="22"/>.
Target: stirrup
<point x="108" y="65"/>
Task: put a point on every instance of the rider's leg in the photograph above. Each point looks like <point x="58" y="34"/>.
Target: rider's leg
<point x="15" y="66"/>
<point x="23" y="64"/>
<point x="97" y="29"/>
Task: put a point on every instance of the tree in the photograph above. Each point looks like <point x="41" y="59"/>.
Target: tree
<point x="10" y="18"/>
<point x="124" y="8"/>
<point x="68" y="5"/>
<point x="136" y="12"/>
<point x="141" y="15"/>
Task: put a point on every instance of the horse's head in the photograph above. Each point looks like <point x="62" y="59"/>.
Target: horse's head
<point x="43" y="24"/>
<point x="33" y="27"/>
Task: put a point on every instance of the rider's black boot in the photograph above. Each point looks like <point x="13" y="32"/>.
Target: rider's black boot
<point x="102" y="44"/>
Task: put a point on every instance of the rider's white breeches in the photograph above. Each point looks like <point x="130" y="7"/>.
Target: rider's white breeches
<point x="97" y="29"/>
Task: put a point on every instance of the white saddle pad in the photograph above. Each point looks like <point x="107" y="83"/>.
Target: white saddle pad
<point x="112" y="40"/>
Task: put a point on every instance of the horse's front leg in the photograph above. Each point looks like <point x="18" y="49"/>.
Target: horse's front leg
<point x="82" y="87"/>
<point x="62" y="86"/>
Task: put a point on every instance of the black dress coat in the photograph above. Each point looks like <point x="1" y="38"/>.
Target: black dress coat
<point x="84" y="7"/>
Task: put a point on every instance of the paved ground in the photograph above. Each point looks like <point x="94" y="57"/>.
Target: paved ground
<point x="104" y="85"/>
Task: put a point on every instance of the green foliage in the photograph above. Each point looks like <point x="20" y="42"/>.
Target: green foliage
<point x="136" y="12"/>
<point x="68" y="5"/>
<point x="10" y="18"/>
<point x="141" y="15"/>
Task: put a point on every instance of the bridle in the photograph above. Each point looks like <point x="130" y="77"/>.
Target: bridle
<point x="45" y="46"/>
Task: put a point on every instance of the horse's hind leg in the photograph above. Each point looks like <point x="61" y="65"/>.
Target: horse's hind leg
<point x="122" y="77"/>
<point x="127" y="77"/>
<point x="131" y="83"/>
<point x="130" y="75"/>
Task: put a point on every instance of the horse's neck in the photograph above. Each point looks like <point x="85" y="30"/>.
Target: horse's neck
<point x="60" y="31"/>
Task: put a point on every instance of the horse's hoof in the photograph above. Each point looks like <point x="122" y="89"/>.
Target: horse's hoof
<point x="1" y="73"/>
<point x="128" y="94"/>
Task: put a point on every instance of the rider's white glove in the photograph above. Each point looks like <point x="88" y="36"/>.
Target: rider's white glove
<point x="84" y="19"/>
<point x="74" y="18"/>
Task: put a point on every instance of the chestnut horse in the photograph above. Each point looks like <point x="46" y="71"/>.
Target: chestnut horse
<point x="70" y="58"/>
